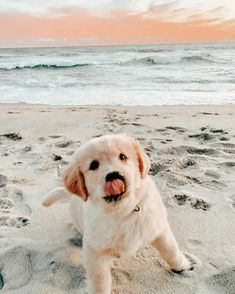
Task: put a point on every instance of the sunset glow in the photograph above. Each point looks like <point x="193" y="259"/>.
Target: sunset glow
<point x="120" y="25"/>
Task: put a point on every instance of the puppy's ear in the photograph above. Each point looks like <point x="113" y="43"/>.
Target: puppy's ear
<point x="143" y="159"/>
<point x="74" y="181"/>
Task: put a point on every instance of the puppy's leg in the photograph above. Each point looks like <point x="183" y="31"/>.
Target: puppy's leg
<point x="170" y="252"/>
<point x="97" y="267"/>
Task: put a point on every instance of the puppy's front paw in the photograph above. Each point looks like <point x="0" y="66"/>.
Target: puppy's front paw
<point x="188" y="263"/>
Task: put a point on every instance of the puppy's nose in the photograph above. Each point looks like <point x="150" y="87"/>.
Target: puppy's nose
<point x="112" y="176"/>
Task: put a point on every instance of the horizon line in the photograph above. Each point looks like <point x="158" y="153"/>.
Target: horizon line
<point x="124" y="44"/>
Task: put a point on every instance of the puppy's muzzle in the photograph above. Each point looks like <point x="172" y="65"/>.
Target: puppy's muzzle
<point x="115" y="187"/>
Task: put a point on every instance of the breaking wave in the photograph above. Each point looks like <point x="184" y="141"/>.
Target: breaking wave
<point x="196" y="58"/>
<point x="155" y="60"/>
<point x="44" y="66"/>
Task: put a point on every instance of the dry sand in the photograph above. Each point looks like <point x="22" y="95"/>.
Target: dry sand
<point x="192" y="150"/>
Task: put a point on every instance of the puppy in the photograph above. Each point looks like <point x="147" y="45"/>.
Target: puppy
<point x="118" y="209"/>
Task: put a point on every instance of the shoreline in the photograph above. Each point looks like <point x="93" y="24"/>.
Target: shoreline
<point x="110" y="105"/>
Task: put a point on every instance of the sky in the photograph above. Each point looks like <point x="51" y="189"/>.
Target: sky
<point x="37" y="23"/>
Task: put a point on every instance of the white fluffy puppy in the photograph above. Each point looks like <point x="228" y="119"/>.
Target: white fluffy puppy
<point x="119" y="208"/>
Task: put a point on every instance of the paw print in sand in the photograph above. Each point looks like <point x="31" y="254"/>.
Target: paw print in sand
<point x="14" y="212"/>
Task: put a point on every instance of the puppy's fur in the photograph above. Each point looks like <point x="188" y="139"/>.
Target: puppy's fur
<point x="116" y="225"/>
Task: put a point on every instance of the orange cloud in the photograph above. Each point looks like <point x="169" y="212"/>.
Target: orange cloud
<point x="83" y="29"/>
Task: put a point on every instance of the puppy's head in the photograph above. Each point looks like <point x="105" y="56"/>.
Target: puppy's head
<point x="107" y="169"/>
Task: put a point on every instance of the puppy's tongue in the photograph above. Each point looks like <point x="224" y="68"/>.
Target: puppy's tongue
<point x="114" y="187"/>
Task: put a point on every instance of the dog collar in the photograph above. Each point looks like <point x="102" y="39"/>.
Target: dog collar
<point x="137" y="208"/>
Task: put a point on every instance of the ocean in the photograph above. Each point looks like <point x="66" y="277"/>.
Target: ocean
<point x="120" y="75"/>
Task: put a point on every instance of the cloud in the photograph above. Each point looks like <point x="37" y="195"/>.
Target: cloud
<point x="168" y="10"/>
<point x="44" y="40"/>
<point x="94" y="39"/>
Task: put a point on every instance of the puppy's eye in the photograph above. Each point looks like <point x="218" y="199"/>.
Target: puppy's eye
<point x="94" y="165"/>
<point x="122" y="157"/>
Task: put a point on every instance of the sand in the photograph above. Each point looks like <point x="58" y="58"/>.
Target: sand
<point x="192" y="149"/>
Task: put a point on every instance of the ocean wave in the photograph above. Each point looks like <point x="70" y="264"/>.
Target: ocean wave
<point x="146" y="50"/>
<point x="196" y="58"/>
<point x="43" y="66"/>
<point x="152" y="60"/>
<point x="153" y="50"/>
<point x="146" y="60"/>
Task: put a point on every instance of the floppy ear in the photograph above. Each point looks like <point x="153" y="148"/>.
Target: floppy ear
<point x="143" y="159"/>
<point x="74" y="181"/>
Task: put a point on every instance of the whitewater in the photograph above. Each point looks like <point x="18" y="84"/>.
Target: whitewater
<point x="120" y="75"/>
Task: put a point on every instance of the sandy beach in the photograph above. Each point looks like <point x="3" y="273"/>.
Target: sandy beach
<point x="192" y="151"/>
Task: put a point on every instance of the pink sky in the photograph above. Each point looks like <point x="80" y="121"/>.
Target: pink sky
<point x="84" y="27"/>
